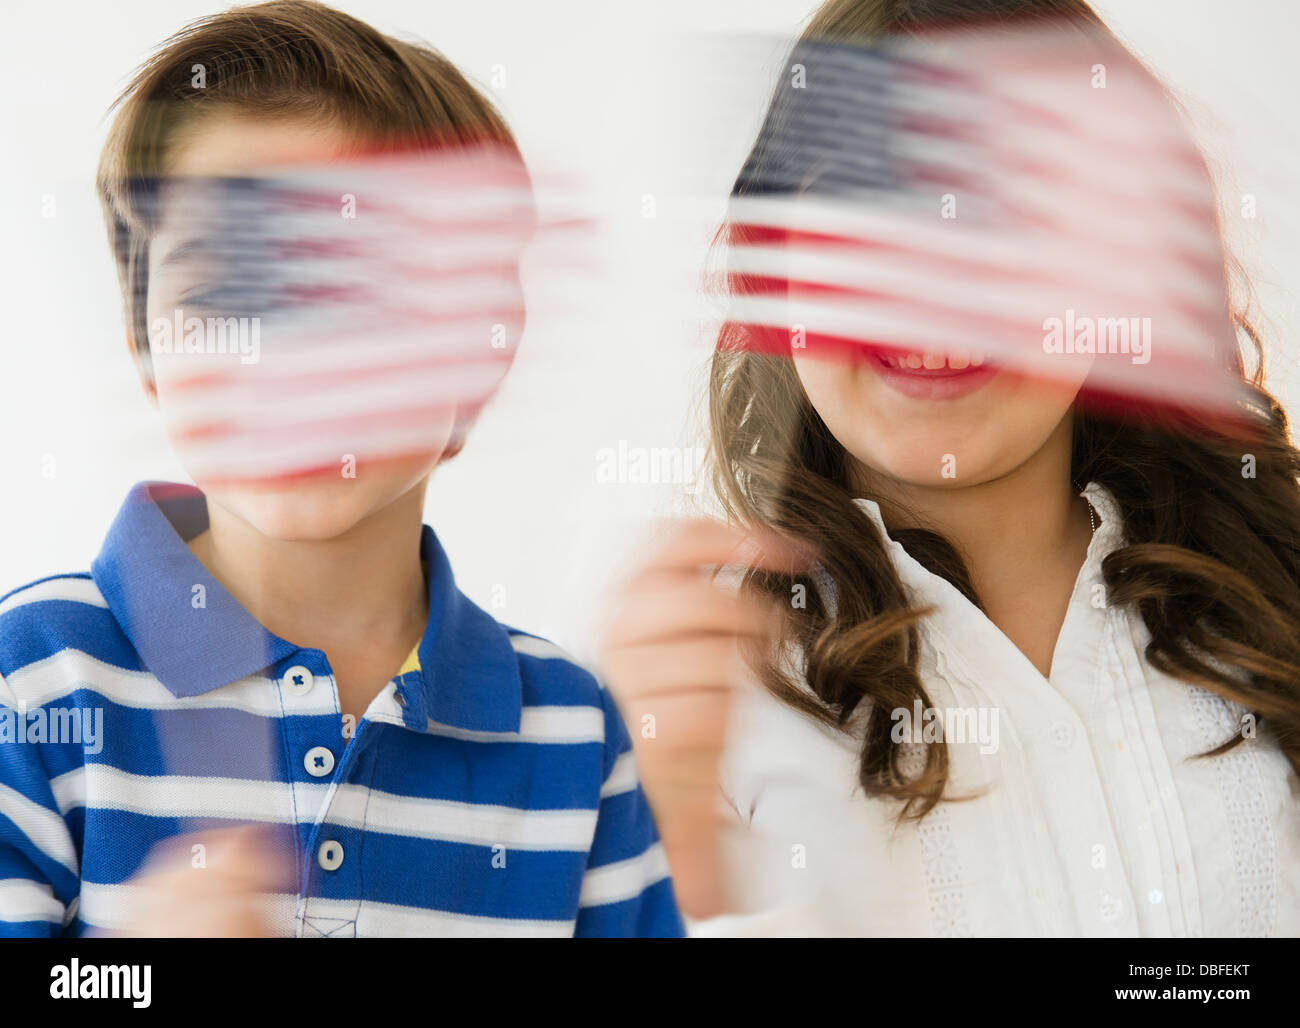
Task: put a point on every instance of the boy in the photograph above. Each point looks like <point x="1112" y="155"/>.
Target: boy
<point x="171" y="763"/>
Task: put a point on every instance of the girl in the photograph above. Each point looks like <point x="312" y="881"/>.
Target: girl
<point x="1029" y="662"/>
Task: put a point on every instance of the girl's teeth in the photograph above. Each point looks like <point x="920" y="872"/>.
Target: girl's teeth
<point x="933" y="361"/>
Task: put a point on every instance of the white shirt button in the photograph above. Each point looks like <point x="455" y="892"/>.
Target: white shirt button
<point x="298" y="680"/>
<point x="330" y="855"/>
<point x="319" y="762"/>
<point x="1062" y="734"/>
<point x="1111" y="909"/>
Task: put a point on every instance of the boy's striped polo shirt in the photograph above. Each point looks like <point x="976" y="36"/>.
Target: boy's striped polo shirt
<point x="489" y="789"/>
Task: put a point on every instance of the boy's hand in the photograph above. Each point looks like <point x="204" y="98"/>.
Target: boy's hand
<point x="672" y="660"/>
<point x="228" y="896"/>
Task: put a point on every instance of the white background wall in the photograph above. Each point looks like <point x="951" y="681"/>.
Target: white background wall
<point x="637" y="99"/>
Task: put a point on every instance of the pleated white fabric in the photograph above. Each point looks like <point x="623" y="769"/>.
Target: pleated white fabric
<point x="1091" y="816"/>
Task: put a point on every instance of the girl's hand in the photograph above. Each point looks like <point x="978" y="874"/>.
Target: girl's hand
<point x="672" y="660"/>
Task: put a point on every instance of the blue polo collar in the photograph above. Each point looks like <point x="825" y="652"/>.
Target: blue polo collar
<point x="195" y="637"/>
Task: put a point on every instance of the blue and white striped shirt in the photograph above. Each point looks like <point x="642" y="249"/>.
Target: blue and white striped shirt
<point x="489" y="789"/>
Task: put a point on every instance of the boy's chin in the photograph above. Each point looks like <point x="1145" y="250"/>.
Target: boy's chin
<point x="306" y="510"/>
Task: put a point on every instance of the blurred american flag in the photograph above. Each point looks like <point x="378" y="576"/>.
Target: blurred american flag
<point x="386" y="291"/>
<point x="960" y="190"/>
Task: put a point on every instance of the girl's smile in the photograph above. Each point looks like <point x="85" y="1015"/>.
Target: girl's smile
<point x="932" y="376"/>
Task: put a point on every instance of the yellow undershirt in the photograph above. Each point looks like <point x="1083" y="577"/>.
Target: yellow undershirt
<point x="412" y="661"/>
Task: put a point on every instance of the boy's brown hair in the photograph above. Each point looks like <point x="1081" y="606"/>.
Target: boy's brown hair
<point x="286" y="58"/>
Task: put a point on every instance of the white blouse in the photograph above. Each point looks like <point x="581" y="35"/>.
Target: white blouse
<point x="1091" y="817"/>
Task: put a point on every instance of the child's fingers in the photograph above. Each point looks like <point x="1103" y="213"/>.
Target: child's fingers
<point x="209" y="914"/>
<point x="671" y="721"/>
<point x="260" y="858"/>
<point x="702" y="543"/>
<point x="652" y="670"/>
<point x="673" y="660"/>
<point x="248" y="858"/>
<point x="649" y="614"/>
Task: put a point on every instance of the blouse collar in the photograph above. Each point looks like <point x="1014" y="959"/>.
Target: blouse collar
<point x="1107" y="538"/>
<point x="962" y="636"/>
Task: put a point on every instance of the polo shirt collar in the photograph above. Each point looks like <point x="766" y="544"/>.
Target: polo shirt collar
<point x="468" y="666"/>
<point x="197" y="639"/>
<point x="191" y="634"/>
